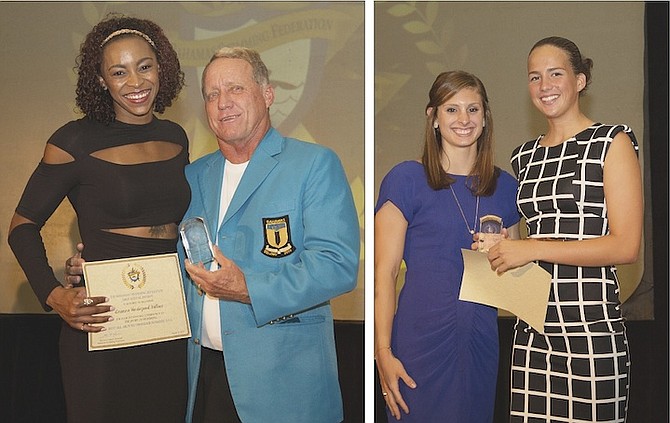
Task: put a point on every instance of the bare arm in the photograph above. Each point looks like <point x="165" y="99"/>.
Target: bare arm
<point x="623" y="196"/>
<point x="390" y="230"/>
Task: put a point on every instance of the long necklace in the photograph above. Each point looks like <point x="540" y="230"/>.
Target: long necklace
<point x="458" y="203"/>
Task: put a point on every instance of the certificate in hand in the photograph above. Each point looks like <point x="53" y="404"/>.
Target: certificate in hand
<point x="523" y="291"/>
<point x="148" y="298"/>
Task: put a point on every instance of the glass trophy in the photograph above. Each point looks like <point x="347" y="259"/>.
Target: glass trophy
<point x="194" y="235"/>
<point x="490" y="231"/>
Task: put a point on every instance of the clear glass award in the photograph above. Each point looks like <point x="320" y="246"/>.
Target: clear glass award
<point x="490" y="231"/>
<point x="194" y="235"/>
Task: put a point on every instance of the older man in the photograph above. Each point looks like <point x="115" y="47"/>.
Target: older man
<point x="282" y="217"/>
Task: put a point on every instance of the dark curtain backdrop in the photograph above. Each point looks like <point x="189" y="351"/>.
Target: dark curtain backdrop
<point x="30" y="383"/>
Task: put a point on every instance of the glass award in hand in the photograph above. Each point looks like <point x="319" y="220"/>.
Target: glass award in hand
<point x="197" y="243"/>
<point x="490" y="227"/>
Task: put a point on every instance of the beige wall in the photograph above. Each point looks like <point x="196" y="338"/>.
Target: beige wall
<point x="317" y="50"/>
<point x="416" y="41"/>
<point x="315" y="53"/>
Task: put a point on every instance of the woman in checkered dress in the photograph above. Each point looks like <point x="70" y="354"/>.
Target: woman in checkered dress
<point x="581" y="195"/>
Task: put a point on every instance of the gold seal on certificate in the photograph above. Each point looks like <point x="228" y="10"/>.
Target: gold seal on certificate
<point x="148" y="298"/>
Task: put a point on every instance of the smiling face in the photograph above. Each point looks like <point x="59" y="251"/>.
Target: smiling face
<point x="552" y="83"/>
<point x="129" y="71"/>
<point x="460" y="119"/>
<point x="236" y="105"/>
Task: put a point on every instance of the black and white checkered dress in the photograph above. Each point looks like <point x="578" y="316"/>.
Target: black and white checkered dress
<point x="578" y="371"/>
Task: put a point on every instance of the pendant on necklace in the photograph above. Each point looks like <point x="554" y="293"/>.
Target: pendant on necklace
<point x="458" y="203"/>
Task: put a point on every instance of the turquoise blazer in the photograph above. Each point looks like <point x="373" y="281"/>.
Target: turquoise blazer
<point x="292" y="228"/>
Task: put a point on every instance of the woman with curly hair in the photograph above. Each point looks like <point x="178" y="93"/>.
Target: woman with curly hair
<point x="121" y="168"/>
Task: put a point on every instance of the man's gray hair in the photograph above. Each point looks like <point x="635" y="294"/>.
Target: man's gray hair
<point x="260" y="71"/>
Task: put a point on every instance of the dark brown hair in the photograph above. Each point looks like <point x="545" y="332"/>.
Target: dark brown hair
<point x="95" y="102"/>
<point x="578" y="63"/>
<point x="484" y="174"/>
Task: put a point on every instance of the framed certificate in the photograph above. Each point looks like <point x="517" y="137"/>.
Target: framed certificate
<point x="148" y="298"/>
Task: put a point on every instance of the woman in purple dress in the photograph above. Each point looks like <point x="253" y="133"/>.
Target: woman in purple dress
<point x="437" y="356"/>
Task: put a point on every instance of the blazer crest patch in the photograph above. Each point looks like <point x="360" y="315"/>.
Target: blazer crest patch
<point x="277" y="234"/>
